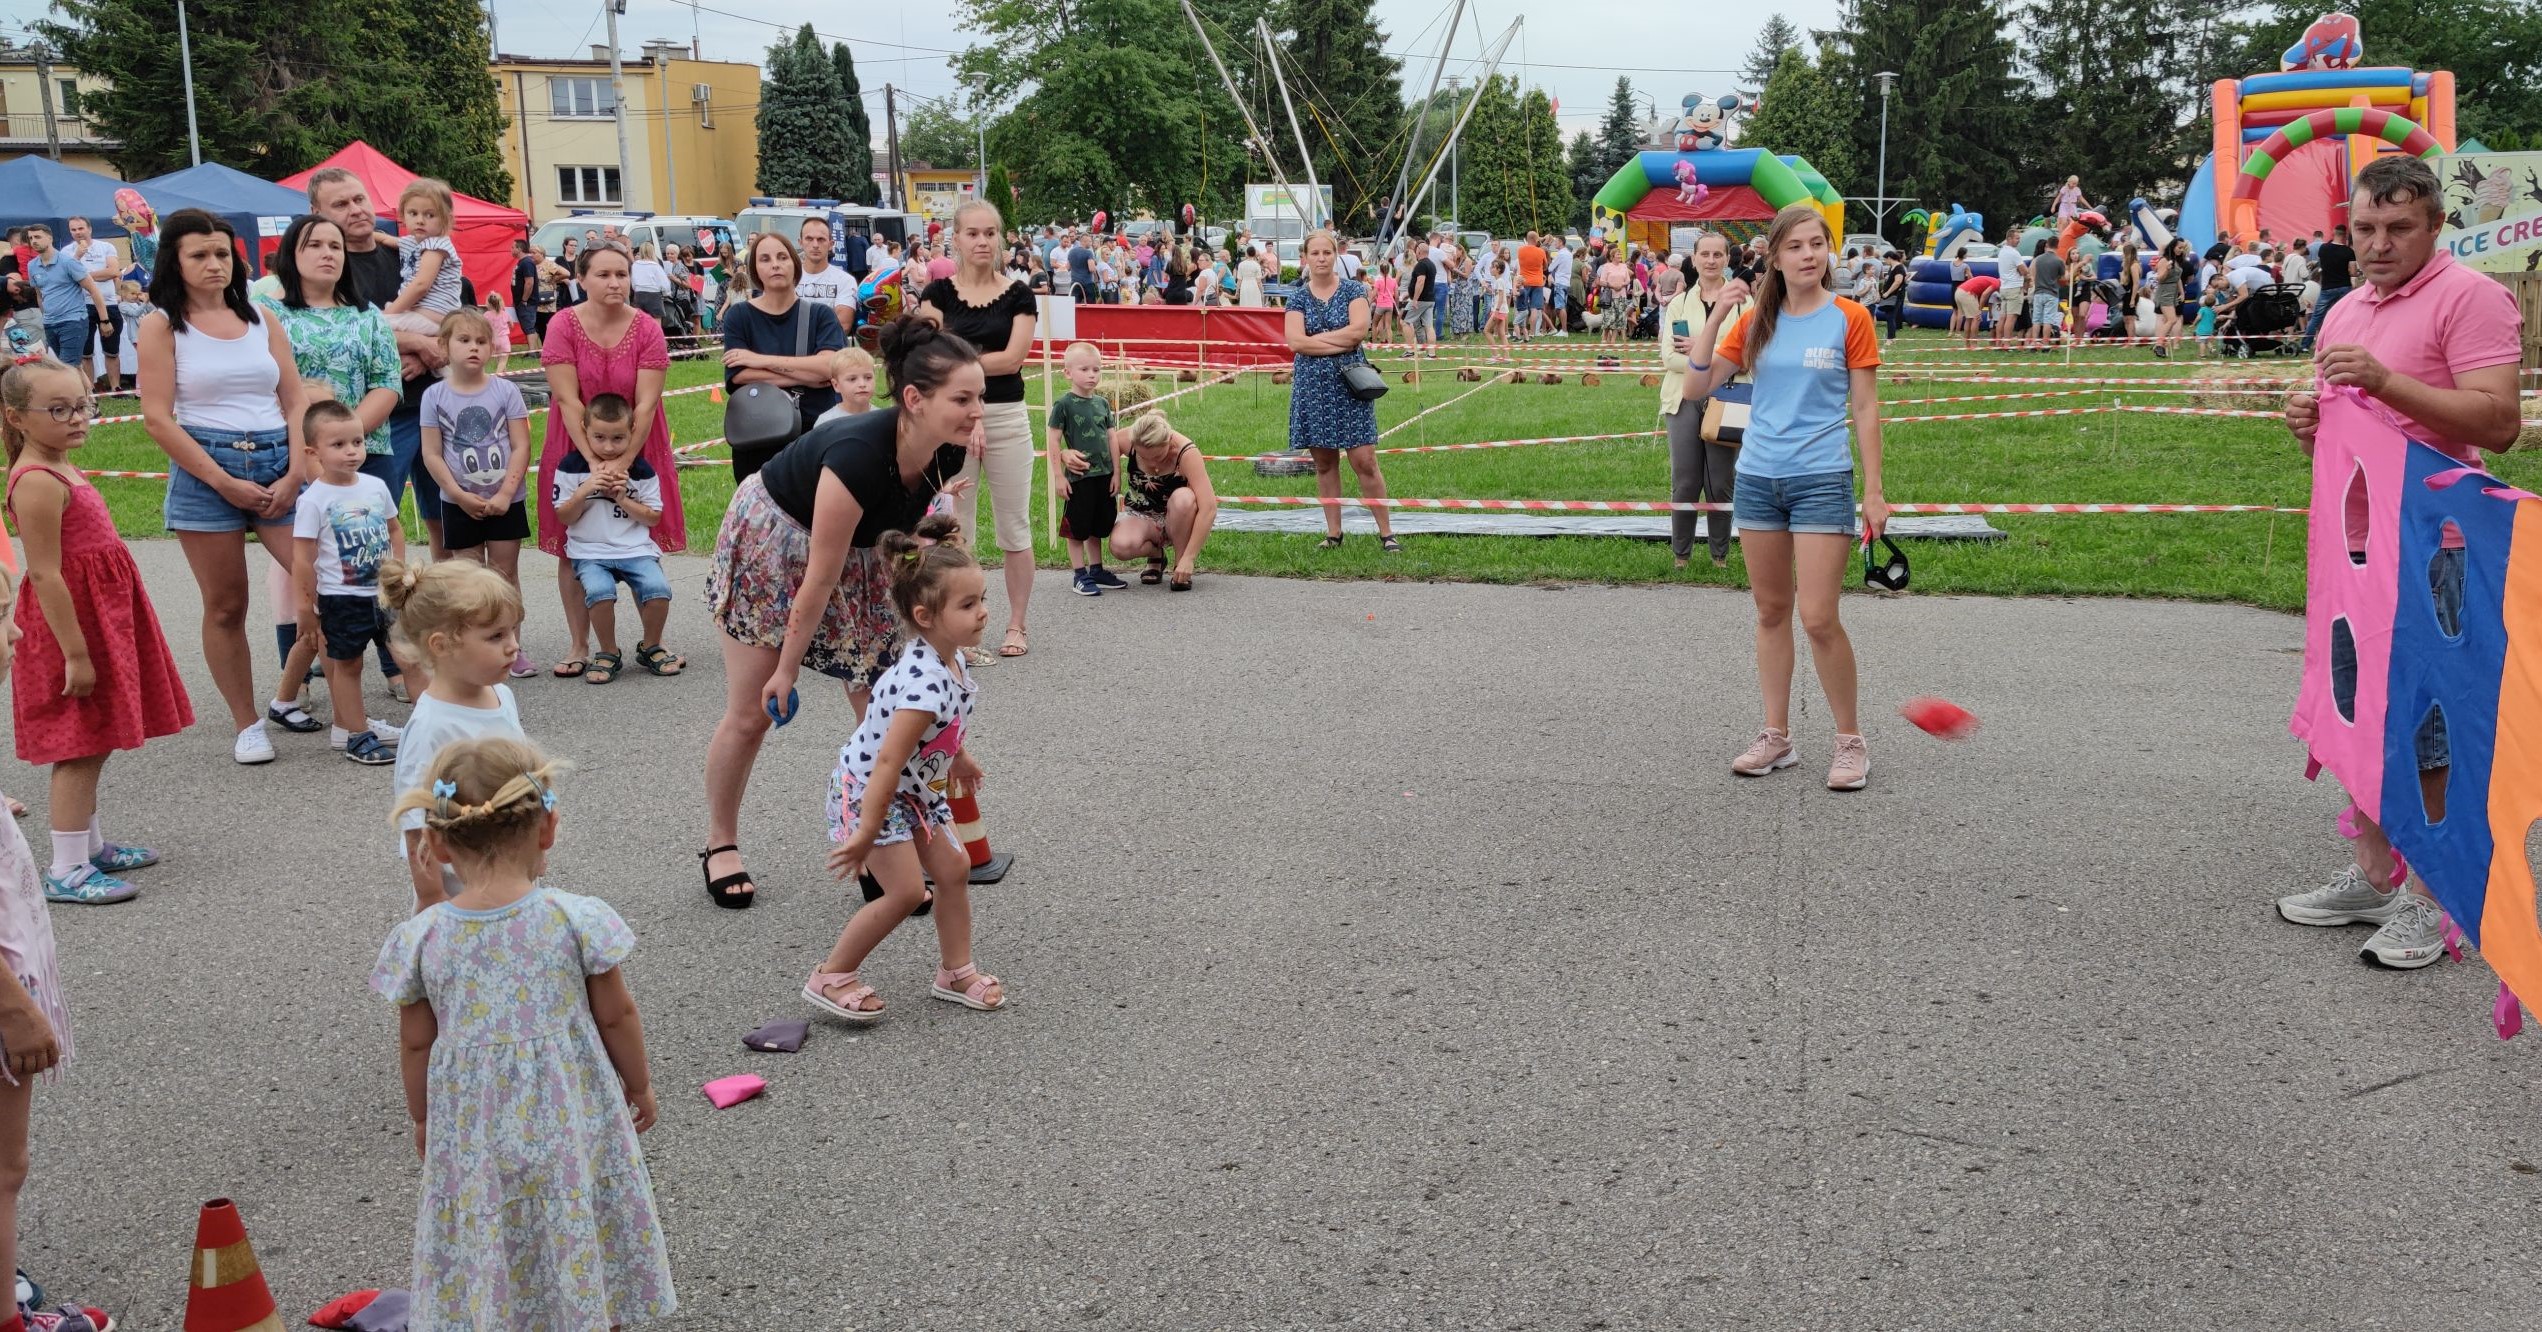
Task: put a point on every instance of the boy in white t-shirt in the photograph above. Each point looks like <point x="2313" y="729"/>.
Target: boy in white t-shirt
<point x="344" y="529"/>
<point x="609" y="505"/>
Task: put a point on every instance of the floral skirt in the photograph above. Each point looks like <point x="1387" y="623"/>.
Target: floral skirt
<point x="760" y="558"/>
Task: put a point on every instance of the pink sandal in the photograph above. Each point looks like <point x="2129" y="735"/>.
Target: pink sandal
<point x="847" y="1005"/>
<point x="969" y="995"/>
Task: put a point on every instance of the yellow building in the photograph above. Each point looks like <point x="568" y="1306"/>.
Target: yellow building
<point x="22" y="114"/>
<point x="692" y="133"/>
<point x="935" y="194"/>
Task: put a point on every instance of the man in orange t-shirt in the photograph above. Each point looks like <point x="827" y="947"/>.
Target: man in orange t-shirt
<point x="1531" y="287"/>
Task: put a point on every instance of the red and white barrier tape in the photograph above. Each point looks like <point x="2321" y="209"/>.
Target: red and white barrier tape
<point x="1665" y="506"/>
<point x="1407" y="422"/>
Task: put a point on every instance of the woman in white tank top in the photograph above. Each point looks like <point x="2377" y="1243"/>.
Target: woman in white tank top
<point x="221" y="395"/>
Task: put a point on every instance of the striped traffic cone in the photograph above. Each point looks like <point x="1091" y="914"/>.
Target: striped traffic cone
<point x="226" y="1291"/>
<point x="986" y="867"/>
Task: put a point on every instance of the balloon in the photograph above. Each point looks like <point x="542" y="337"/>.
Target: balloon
<point x="1189" y="217"/>
<point x="1101" y="217"/>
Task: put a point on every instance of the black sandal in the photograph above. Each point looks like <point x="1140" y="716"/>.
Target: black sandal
<point x="1179" y="583"/>
<point x="1154" y="573"/>
<point x="728" y="891"/>
<point x="1389" y="545"/>
<point x="1329" y="543"/>
<point x="605" y="667"/>
<point x="659" y="661"/>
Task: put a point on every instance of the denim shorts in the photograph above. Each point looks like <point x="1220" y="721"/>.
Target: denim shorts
<point x="260" y="456"/>
<point x="2445" y="584"/>
<point x="2045" y="310"/>
<point x="352" y="622"/>
<point x="1820" y="502"/>
<point x="1531" y="298"/>
<point x="642" y="573"/>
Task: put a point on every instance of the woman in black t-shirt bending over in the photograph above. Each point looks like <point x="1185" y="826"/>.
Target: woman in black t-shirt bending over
<point x="797" y="581"/>
<point x="994" y="312"/>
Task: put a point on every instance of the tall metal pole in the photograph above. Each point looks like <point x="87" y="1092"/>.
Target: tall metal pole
<point x="44" y="93"/>
<point x="1491" y="65"/>
<point x="185" y="54"/>
<point x="1456" y="164"/>
<point x="1313" y="211"/>
<point x="980" y="127"/>
<point x="891" y="143"/>
<point x="661" y="55"/>
<point x="1238" y="98"/>
<point x="618" y="102"/>
<point x="1880" y="207"/>
<point x="1421" y="115"/>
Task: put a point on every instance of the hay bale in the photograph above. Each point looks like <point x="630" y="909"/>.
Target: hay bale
<point x="1468" y="374"/>
<point x="2207" y="393"/>
<point x="1548" y="377"/>
<point x="1512" y="376"/>
<point x="2532" y="436"/>
<point x="1589" y="379"/>
<point x="1412" y="376"/>
<point x="1187" y="376"/>
<point x="1650" y="380"/>
<point x="1279" y="376"/>
<point x="1126" y="388"/>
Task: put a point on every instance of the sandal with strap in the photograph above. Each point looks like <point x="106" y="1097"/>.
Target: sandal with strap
<point x="1329" y="543"/>
<point x="969" y="996"/>
<point x="653" y="658"/>
<point x="736" y="890"/>
<point x="604" y="668"/>
<point x="1154" y="573"/>
<point x="850" y="1004"/>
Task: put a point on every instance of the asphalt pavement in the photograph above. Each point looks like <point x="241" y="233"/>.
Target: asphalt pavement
<point x="1389" y="956"/>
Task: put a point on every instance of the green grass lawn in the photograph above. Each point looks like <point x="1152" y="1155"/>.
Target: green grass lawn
<point x="2252" y="558"/>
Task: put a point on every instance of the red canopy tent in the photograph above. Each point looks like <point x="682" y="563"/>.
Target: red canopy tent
<point x="483" y="231"/>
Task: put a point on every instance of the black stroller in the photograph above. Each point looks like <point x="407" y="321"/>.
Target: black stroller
<point x="679" y="311"/>
<point x="2272" y="320"/>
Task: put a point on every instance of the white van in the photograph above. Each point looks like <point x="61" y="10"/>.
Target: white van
<point x="654" y="229"/>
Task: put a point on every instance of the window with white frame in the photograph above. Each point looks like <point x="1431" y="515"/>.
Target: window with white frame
<point x="588" y="185"/>
<point x="581" y="99"/>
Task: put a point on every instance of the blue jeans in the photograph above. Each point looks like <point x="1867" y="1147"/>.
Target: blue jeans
<point x="2330" y="296"/>
<point x="1819" y="502"/>
<point x="642" y="574"/>
<point x="69" y="341"/>
<point x="397" y="467"/>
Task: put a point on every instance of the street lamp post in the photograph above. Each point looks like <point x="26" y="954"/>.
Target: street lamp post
<point x="1880" y="207"/>
<point x="185" y="55"/>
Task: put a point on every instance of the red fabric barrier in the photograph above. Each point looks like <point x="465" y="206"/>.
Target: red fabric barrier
<point x="1168" y="334"/>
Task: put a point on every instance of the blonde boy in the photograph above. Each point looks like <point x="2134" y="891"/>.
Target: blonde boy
<point x="1081" y="446"/>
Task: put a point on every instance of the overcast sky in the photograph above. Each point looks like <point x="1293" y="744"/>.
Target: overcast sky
<point x="1687" y="48"/>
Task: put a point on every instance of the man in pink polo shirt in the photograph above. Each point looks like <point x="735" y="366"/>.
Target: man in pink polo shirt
<point x="2437" y="343"/>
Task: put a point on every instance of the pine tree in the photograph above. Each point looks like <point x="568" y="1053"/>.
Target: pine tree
<point x="803" y="146"/>
<point x="1491" y="186"/>
<point x="1549" y="200"/>
<point x="2114" y="103"/>
<point x="859" y="128"/>
<point x="1777" y="36"/>
<point x="1620" y="134"/>
<point x="1350" y="95"/>
<point x="1002" y="193"/>
<point x="1802" y="115"/>
<point x="1586" y="178"/>
<point x="1959" y="130"/>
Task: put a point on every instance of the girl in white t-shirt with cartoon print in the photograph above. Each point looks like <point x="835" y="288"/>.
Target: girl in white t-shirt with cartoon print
<point x="888" y="811"/>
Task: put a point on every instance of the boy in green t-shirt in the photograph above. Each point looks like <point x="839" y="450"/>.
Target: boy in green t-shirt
<point x="1080" y="438"/>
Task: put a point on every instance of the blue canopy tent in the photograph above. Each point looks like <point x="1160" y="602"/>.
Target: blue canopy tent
<point x="234" y="193"/>
<point x="39" y="189"/>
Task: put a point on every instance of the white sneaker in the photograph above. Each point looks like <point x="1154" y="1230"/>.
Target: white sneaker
<point x="253" y="746"/>
<point x="2412" y="938"/>
<point x="2345" y="900"/>
<point x="337" y="736"/>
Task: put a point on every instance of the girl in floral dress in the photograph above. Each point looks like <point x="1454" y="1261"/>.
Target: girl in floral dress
<point x="525" y="1070"/>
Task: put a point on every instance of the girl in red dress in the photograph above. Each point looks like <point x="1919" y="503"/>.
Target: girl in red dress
<point x="93" y="674"/>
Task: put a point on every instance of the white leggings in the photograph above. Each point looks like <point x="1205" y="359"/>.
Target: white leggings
<point x="1008" y="486"/>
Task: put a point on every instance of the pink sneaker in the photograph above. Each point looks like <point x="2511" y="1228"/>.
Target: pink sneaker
<point x="522" y="668"/>
<point x="1772" y="752"/>
<point x="1852" y="769"/>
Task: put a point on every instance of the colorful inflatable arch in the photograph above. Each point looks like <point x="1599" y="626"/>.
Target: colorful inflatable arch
<point x="1742" y="190"/>
<point x="2278" y="165"/>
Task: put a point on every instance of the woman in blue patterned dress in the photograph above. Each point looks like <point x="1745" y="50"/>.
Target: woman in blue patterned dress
<point x="1327" y="320"/>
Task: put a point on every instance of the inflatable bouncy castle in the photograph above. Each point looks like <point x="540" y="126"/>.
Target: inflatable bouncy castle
<point x="2288" y="145"/>
<point x="1689" y="175"/>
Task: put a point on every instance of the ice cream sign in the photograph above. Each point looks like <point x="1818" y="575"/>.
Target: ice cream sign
<point x="2493" y="210"/>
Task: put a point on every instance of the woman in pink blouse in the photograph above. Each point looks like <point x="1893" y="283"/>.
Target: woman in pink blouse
<point x="603" y="345"/>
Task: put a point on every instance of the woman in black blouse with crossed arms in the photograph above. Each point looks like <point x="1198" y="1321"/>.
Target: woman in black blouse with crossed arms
<point x="994" y="313"/>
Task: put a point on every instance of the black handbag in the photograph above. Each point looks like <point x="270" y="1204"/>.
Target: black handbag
<point x="762" y="417"/>
<point x="1890" y="573"/>
<point x="1363" y="382"/>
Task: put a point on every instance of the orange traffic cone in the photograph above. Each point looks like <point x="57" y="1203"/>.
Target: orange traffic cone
<point x="714" y="393"/>
<point x="226" y="1291"/>
<point x="986" y="867"/>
